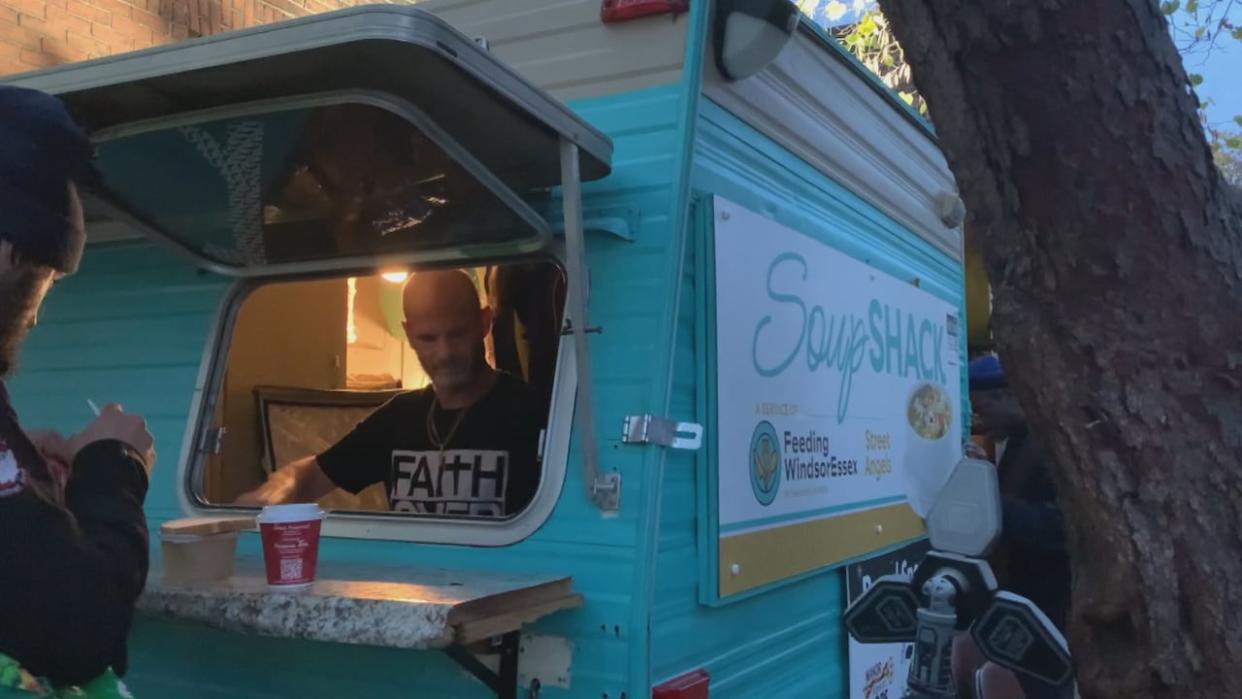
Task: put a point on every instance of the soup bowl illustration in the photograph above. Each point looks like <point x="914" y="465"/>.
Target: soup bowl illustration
<point x="930" y="445"/>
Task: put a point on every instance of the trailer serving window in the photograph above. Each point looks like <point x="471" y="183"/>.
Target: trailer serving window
<point x="310" y="160"/>
<point x="291" y="194"/>
<point x="305" y="361"/>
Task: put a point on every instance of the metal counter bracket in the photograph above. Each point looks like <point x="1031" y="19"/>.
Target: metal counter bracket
<point x="503" y="683"/>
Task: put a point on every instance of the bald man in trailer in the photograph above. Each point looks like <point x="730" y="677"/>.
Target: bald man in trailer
<point x="465" y="446"/>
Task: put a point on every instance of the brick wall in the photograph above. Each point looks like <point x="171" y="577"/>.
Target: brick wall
<point x="39" y="33"/>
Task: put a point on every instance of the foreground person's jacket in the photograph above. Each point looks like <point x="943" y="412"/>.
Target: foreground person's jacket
<point x="72" y="562"/>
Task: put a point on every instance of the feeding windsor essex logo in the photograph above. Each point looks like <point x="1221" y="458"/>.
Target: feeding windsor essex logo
<point x="765" y="462"/>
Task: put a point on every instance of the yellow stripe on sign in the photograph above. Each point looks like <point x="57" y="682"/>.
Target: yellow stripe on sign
<point x="769" y="555"/>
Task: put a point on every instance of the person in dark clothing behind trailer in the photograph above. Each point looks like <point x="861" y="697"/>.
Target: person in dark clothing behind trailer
<point x="1031" y="559"/>
<point x="73" y="539"/>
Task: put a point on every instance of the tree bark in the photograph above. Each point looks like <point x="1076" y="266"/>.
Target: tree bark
<point x="1114" y="249"/>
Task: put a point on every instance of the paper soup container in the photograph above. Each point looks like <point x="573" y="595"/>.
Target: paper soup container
<point x="929" y="456"/>
<point x="197" y="557"/>
<point x="290" y="536"/>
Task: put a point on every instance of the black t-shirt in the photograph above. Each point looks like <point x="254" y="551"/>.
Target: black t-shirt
<point x="489" y="466"/>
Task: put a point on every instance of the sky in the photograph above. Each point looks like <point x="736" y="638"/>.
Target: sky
<point x="1222" y="76"/>
<point x="1221" y="67"/>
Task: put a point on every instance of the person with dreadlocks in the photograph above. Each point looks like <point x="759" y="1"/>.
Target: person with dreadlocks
<point x="73" y="538"/>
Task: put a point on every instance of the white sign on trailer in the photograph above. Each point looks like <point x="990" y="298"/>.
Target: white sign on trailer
<point x="838" y="402"/>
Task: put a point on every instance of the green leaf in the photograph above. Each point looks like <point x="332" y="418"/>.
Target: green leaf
<point x="1196" y="79"/>
<point x="867" y="26"/>
<point x="1237" y="33"/>
<point x="1238" y="120"/>
<point x="1235" y="142"/>
<point x="907" y="97"/>
<point x="1200" y="32"/>
<point x="1192" y="5"/>
<point x="1169" y="8"/>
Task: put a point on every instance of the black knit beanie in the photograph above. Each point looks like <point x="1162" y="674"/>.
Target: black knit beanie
<point x="41" y="150"/>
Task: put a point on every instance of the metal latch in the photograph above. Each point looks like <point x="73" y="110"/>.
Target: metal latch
<point x="606" y="491"/>
<point x="213" y="440"/>
<point x="649" y="429"/>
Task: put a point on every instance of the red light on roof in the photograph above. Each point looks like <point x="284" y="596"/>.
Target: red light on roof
<point x="692" y="685"/>
<point x="622" y="10"/>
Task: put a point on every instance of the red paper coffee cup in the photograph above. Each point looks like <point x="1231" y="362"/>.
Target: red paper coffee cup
<point x="290" y="536"/>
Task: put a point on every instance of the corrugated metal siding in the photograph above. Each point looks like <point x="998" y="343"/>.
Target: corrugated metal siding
<point x="562" y="46"/>
<point x="811" y="101"/>
<point x="132" y="325"/>
<point x="788" y="642"/>
<point x="737" y="161"/>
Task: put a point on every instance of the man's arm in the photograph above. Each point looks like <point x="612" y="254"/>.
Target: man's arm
<point x="355" y="462"/>
<point x="298" y="481"/>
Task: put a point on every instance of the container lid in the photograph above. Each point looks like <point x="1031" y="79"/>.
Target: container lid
<point x="206" y="526"/>
<point x="195" y="538"/>
<point x="299" y="512"/>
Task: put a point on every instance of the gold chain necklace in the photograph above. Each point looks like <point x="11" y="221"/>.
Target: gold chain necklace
<point x="433" y="430"/>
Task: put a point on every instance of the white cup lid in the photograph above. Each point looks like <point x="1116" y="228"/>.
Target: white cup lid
<point x="300" y="512"/>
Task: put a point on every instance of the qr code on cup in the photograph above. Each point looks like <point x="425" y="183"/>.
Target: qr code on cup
<point x="291" y="569"/>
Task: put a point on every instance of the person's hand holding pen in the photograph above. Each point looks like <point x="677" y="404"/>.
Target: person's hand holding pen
<point x="111" y="422"/>
<point x="52" y="446"/>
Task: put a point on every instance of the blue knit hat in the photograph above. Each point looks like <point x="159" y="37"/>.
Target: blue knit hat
<point x="986" y="373"/>
<point x="41" y="150"/>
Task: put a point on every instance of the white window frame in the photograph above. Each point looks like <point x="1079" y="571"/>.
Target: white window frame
<point x="384" y="526"/>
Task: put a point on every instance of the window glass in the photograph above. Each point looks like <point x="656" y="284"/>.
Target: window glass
<point x="306" y="184"/>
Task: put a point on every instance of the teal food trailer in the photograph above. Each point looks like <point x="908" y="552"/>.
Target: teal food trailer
<point x="754" y="257"/>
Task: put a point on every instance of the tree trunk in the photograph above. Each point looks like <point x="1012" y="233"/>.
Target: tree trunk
<point x="1115" y="252"/>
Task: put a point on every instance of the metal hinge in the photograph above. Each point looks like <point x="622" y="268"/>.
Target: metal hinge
<point x="213" y="440"/>
<point x="649" y="429"/>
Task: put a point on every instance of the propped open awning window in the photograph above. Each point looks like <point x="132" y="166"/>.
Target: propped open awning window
<point x="279" y="186"/>
<point x="337" y="140"/>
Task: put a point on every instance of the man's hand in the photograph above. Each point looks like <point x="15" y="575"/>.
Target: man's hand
<point x="259" y="497"/>
<point x="114" y="423"/>
<point x="50" y="444"/>
<point x="974" y="451"/>
<point x="55" y="451"/>
<point x="298" y="481"/>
